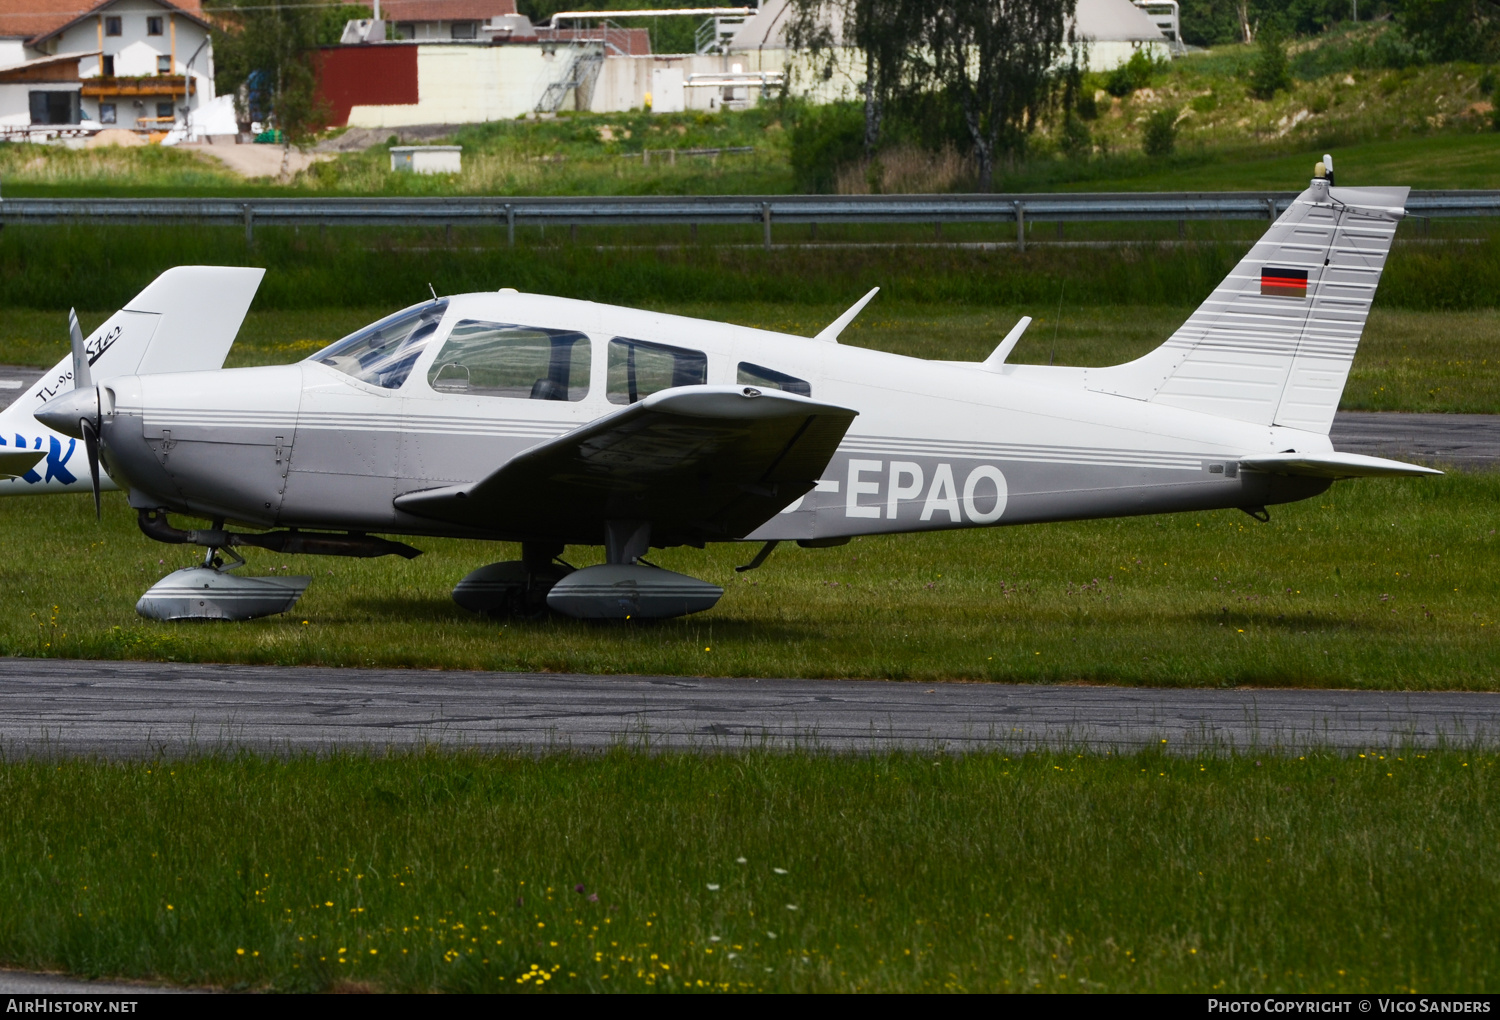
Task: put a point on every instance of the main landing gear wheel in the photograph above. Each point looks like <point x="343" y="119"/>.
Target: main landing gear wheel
<point x="513" y="588"/>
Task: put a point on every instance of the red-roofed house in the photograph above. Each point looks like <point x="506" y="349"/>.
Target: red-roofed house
<point x="436" y="20"/>
<point x="130" y="63"/>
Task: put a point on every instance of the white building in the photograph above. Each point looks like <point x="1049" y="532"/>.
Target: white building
<point x="145" y="65"/>
<point x="1113" y="29"/>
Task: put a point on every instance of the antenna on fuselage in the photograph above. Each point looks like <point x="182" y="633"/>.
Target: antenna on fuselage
<point x="1058" y="324"/>
<point x="433" y="290"/>
<point x="996" y="360"/>
<point x="833" y="329"/>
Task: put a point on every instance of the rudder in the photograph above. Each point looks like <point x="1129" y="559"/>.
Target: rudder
<point x="1273" y="343"/>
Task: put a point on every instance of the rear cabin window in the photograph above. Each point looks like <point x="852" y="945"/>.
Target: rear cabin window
<point x="638" y="369"/>
<point x="495" y="359"/>
<point x="383" y="353"/>
<point x="770" y="379"/>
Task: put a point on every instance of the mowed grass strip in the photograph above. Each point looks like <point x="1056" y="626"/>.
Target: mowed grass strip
<point x="1376" y="584"/>
<point x="1368" y="872"/>
<point x="57" y="267"/>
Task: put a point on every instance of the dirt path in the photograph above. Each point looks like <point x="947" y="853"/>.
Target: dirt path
<point x="256" y="160"/>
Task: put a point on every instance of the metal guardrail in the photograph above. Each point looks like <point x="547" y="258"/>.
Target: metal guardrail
<point x="935" y="209"/>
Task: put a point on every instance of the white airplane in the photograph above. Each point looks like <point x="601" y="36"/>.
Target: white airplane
<point x="549" y="422"/>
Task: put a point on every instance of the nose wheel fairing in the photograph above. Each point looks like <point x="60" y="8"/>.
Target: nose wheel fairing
<point x="211" y="593"/>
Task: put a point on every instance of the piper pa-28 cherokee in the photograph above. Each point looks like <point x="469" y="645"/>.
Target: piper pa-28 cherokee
<point x="549" y="422"/>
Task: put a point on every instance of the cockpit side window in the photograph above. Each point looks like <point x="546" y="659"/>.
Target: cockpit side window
<point x="496" y="359"/>
<point x="383" y="353"/>
<point x="638" y="369"/>
<point x="769" y="378"/>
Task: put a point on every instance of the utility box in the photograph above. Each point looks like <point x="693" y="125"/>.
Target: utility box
<point x="667" y="93"/>
<point x="427" y="159"/>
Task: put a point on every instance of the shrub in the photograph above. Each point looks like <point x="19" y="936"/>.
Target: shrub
<point x="1076" y="139"/>
<point x="1133" y="74"/>
<point x="1087" y="106"/>
<point x="1160" y="136"/>
<point x="1205" y="104"/>
<point x="825" y="139"/>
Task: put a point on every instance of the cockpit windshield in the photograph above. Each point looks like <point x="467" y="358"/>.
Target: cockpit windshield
<point x="383" y="353"/>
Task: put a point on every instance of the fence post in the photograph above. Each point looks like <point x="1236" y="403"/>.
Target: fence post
<point x="249" y="224"/>
<point x="1021" y="226"/>
<point x="510" y="225"/>
<point x="1271" y="209"/>
<point x="765" y="222"/>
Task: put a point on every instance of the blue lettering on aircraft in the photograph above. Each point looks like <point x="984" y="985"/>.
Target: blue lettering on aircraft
<point x="55" y="463"/>
<point x="57" y="460"/>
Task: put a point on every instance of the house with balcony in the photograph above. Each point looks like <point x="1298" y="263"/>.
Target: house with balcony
<point x="144" y="65"/>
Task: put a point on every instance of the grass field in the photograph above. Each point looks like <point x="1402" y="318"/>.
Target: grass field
<point x="628" y="872"/>
<point x="1377" y="584"/>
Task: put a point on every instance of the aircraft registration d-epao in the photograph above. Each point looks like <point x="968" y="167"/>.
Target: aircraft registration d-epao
<point x="553" y="422"/>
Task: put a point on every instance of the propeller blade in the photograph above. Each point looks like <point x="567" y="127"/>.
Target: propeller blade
<point x="81" y="376"/>
<point x="91" y="447"/>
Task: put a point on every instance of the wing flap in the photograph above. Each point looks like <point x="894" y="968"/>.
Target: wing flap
<point x="701" y="463"/>
<point x="1333" y="465"/>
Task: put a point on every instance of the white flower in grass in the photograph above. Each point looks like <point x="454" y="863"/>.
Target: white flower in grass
<point x="779" y="871"/>
<point x="712" y="887"/>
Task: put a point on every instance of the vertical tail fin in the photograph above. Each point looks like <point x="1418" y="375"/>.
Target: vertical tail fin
<point x="1273" y="343"/>
<point x="184" y="321"/>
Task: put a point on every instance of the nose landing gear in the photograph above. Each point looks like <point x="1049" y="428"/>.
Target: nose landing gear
<point x="210" y="592"/>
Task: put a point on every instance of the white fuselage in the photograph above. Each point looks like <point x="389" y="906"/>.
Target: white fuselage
<point x="935" y="445"/>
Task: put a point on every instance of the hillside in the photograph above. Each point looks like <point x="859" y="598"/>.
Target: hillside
<point x="1427" y="126"/>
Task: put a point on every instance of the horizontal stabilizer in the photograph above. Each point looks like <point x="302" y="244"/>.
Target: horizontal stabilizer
<point x="18" y="462"/>
<point x="1333" y="465"/>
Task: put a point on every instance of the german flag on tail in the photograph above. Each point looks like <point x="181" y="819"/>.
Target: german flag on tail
<point x="1290" y="283"/>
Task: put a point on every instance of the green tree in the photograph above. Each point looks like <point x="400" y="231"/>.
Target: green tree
<point x="1271" y="73"/>
<point x="999" y="60"/>
<point x="270" y="50"/>
<point x="1453" y="29"/>
<point x="882" y="31"/>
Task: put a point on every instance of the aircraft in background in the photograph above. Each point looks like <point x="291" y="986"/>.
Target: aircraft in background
<point x="553" y="422"/>
<point x="184" y="329"/>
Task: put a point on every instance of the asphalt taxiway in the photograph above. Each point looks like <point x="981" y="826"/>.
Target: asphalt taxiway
<point x="144" y="710"/>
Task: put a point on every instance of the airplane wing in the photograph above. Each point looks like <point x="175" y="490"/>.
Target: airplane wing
<point x="1333" y="465"/>
<point x="14" y="463"/>
<point x="701" y="463"/>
